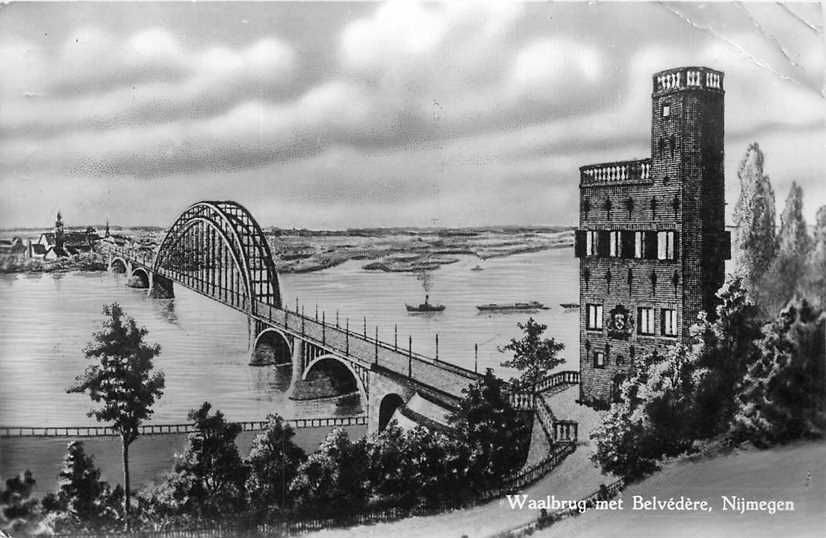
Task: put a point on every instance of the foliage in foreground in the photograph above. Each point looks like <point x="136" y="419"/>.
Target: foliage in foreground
<point x="740" y="380"/>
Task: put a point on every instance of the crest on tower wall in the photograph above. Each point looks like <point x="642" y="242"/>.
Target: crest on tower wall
<point x="620" y="323"/>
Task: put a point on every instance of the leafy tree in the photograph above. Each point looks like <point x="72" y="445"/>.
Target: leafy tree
<point x="789" y="267"/>
<point x="417" y="468"/>
<point x="754" y="216"/>
<point x="533" y="355"/>
<point x="815" y="282"/>
<point x="18" y="509"/>
<point x="492" y="430"/>
<point x="208" y="479"/>
<point x="725" y="349"/>
<point x="624" y="441"/>
<point x="122" y="381"/>
<point x="784" y="393"/>
<point x="83" y="501"/>
<point x="332" y="481"/>
<point x="273" y="464"/>
<point x="439" y="467"/>
<point x="390" y="471"/>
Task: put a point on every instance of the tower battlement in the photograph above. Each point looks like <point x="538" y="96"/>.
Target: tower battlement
<point x="687" y="78"/>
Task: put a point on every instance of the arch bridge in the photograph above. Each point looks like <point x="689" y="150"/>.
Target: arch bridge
<point x="217" y="249"/>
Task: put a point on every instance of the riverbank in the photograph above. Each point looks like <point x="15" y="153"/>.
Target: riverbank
<point x="89" y="261"/>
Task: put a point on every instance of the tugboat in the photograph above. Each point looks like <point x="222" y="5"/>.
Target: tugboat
<point x="425" y="306"/>
<point x="477" y="268"/>
<point x="532" y="305"/>
<point x="569" y="306"/>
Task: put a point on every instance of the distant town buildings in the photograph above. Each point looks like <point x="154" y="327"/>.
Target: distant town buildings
<point x="651" y="240"/>
<point x="58" y="243"/>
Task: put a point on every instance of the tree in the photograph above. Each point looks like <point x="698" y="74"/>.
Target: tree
<point x="754" y="218"/>
<point x="122" y="381"/>
<point x="784" y="393"/>
<point x="624" y="441"/>
<point x="788" y="270"/>
<point x="18" y="509"/>
<point x="332" y="482"/>
<point x="273" y="464"/>
<point x="85" y="501"/>
<point x="815" y="281"/>
<point x="725" y="349"/>
<point x="533" y="355"/>
<point x="492" y="430"/>
<point x="212" y="475"/>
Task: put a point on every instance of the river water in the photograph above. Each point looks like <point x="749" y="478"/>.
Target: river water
<point x="45" y="321"/>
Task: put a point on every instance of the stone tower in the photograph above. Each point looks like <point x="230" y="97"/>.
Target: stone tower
<point x="651" y="241"/>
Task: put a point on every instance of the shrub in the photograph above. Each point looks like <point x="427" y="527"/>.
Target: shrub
<point x="783" y="393"/>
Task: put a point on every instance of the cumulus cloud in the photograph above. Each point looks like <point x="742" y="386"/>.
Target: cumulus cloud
<point x="99" y="81"/>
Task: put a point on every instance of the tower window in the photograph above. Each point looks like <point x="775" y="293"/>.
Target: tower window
<point x="639" y="245"/>
<point x="669" y="322"/>
<point x="665" y="246"/>
<point x="645" y="315"/>
<point x="666" y="110"/>
<point x="591" y="241"/>
<point x="594" y="313"/>
<point x="599" y="359"/>
<point x="614" y="244"/>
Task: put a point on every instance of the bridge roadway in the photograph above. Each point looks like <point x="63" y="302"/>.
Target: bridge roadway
<point x="429" y="374"/>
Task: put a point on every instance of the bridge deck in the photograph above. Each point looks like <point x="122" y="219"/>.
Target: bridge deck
<point x="439" y="376"/>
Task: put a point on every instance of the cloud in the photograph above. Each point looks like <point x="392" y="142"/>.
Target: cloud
<point x="404" y="101"/>
<point x="98" y="81"/>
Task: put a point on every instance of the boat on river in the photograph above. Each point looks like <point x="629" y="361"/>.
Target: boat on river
<point x="506" y="307"/>
<point x="477" y="268"/>
<point x="425" y="306"/>
<point x="569" y="306"/>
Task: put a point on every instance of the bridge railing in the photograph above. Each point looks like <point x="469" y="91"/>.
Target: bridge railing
<point x="285" y="316"/>
<point x="167" y="429"/>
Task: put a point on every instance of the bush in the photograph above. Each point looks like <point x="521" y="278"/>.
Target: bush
<point x="783" y="393"/>
<point x="208" y="480"/>
<point x="496" y="437"/>
<point x="273" y="463"/>
<point x="333" y="481"/>
<point x="17" y="509"/>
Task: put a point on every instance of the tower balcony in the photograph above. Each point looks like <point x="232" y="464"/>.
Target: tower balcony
<point x="635" y="171"/>
<point x="687" y="78"/>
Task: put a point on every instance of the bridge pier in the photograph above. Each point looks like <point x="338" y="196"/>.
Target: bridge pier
<point x="161" y="287"/>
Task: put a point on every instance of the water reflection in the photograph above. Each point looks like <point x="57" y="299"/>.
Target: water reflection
<point x="166" y="310"/>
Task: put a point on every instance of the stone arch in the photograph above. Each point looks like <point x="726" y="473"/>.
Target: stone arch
<point x="118" y="265"/>
<point x="140" y="278"/>
<point x="343" y="379"/>
<point x="272" y="346"/>
<point x="387" y="408"/>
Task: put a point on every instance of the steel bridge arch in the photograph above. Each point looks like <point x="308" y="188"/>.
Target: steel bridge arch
<point x="244" y="240"/>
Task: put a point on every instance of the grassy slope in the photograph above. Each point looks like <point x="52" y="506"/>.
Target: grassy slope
<point x="794" y="472"/>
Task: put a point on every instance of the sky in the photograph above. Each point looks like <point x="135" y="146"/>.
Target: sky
<point x="336" y="115"/>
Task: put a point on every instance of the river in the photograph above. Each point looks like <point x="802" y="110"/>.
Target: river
<point x="46" y="319"/>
